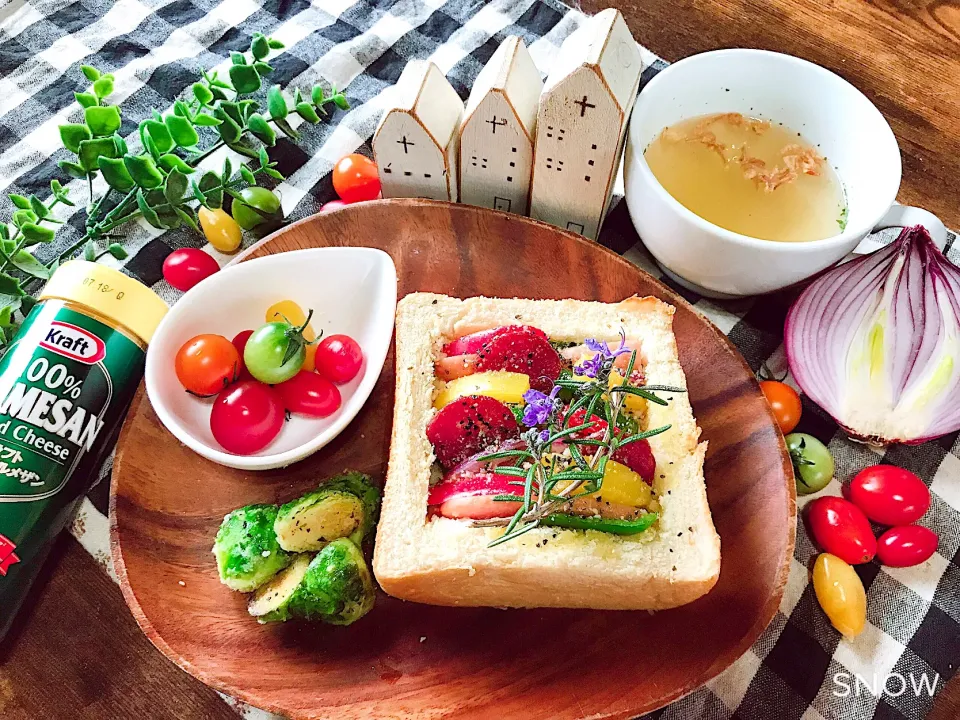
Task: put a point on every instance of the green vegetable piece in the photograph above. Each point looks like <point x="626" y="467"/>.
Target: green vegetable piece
<point x="26" y="262"/>
<point x="261" y="129"/>
<point x="175" y="187"/>
<point x="71" y="135"/>
<point x="102" y="121"/>
<point x="86" y="99"/>
<point x="72" y="169"/>
<point x="205" y="120"/>
<point x="271" y="602"/>
<point x="143" y="171"/>
<point x="260" y="47"/>
<point x="36" y="233"/>
<point x="263" y="68"/>
<point x="90" y="72"/>
<point x="307" y="112"/>
<point x="158" y="133"/>
<point x="285" y="128"/>
<point x="20" y="201"/>
<point x="181" y="130"/>
<point x="245" y="78"/>
<point x="174" y="162"/>
<point x="337" y="587"/>
<point x="276" y="103"/>
<point x="247" y="175"/>
<point x="246" y="548"/>
<point x="238" y="58"/>
<point x="600" y="524"/>
<point x="228" y="128"/>
<point x="92" y="150"/>
<point x="149" y="214"/>
<point x="275" y="44"/>
<point x="317" y="95"/>
<point x="103" y="86"/>
<point x="115" y="173"/>
<point x="310" y="522"/>
<point x="369" y="494"/>
<point x="202" y="93"/>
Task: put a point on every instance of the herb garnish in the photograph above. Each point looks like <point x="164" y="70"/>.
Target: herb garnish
<point x="842" y="220"/>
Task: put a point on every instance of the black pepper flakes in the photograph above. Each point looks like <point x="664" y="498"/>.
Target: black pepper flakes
<point x="434" y="302"/>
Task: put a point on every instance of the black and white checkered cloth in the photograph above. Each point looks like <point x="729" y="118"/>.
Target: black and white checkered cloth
<point x="800" y="668"/>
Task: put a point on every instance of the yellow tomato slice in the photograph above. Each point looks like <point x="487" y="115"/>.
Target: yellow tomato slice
<point x="621" y="486"/>
<point x="289" y="311"/>
<point x="507" y="387"/>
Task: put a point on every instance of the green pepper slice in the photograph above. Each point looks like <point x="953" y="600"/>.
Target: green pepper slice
<point x="601" y="524"/>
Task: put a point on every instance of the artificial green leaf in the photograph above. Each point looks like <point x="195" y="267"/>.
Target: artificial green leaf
<point x="260" y="47"/>
<point x="232" y="109"/>
<point x="205" y="120"/>
<point x="244" y="78"/>
<point x="180" y="108"/>
<point x="89" y="251"/>
<point x="36" y="233"/>
<point x="103" y="86"/>
<point x="341" y="101"/>
<point x="159" y="134"/>
<point x="20" y="217"/>
<point x="238" y="58"/>
<point x="263" y="157"/>
<point x="115" y="173"/>
<point x="117" y="250"/>
<point x="261" y="129"/>
<point x="10" y="286"/>
<point x="273" y="173"/>
<point x="71" y="135"/>
<point x="86" y="99"/>
<point x="156" y="115"/>
<point x="102" y="120"/>
<point x="90" y="72"/>
<point x="185" y="213"/>
<point x="275" y="44"/>
<point x="72" y="169"/>
<point x="149" y="214"/>
<point x="173" y="162"/>
<point x="175" y="187"/>
<point x="168" y="218"/>
<point x="245" y="107"/>
<point x="209" y="180"/>
<point x="28" y="301"/>
<point x="202" y="93"/>
<point x="276" y="103"/>
<point x="247" y="175"/>
<point x="181" y="130"/>
<point x="285" y="128"/>
<point x="297" y="97"/>
<point x="217" y="93"/>
<point x="26" y="262"/>
<point x="143" y="171"/>
<point x="58" y="192"/>
<point x="228" y="129"/>
<point x="317" y="95"/>
<point x="20" y="201"/>
<point x="4" y="233"/>
<point x="39" y="209"/>
<point x="212" y="199"/>
<point x="90" y="150"/>
<point x="121" y="145"/>
<point x="243" y="149"/>
<point x="262" y="68"/>
<point x="306" y="111"/>
<point x="151" y="147"/>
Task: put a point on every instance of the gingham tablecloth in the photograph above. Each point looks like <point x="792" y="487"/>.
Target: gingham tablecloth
<point x="800" y="667"/>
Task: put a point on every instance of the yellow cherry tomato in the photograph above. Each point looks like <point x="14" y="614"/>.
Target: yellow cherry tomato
<point x="621" y="486"/>
<point x="840" y="594"/>
<point x="634" y="403"/>
<point x="507" y="387"/>
<point x="220" y="229"/>
<point x="289" y="311"/>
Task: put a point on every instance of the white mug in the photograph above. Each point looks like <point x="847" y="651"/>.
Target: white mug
<point x="830" y="113"/>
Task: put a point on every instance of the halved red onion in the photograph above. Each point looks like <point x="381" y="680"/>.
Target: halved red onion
<point x="876" y="342"/>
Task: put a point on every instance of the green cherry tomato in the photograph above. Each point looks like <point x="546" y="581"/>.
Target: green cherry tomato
<point x="275" y="352"/>
<point x="257" y="206"/>
<point x="812" y="462"/>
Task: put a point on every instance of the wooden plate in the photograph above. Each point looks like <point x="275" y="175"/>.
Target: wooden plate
<point x="406" y="660"/>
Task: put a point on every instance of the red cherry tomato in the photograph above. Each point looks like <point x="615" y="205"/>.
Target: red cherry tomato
<point x="246" y="417"/>
<point x="309" y="394"/>
<point x="840" y="528"/>
<point x="355" y="178"/>
<point x="339" y="358"/>
<point x="240" y="342"/>
<point x="784" y="402"/>
<point x="185" y="267"/>
<point x="331" y="206"/>
<point x="889" y="495"/>
<point x="206" y="364"/>
<point x="906" y="546"/>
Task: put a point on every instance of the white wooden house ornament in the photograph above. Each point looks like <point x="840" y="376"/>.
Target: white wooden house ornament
<point x="582" y="123"/>
<point x="496" y="138"/>
<point x="416" y="143"/>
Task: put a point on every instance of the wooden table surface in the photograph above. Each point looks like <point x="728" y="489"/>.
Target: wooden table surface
<point x="78" y="653"/>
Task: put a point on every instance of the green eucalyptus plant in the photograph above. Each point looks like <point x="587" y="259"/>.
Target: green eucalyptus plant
<point x="162" y="183"/>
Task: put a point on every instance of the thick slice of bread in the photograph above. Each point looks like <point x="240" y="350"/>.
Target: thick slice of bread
<point x="447" y="562"/>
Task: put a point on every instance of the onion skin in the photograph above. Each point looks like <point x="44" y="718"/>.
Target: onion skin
<point x="874" y="342"/>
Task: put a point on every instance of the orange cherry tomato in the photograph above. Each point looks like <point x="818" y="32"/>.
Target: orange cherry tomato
<point x="206" y="364"/>
<point x="355" y="178"/>
<point x="785" y="403"/>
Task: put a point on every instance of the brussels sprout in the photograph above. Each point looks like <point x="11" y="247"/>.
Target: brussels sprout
<point x="271" y="603"/>
<point x="337" y="587"/>
<point x="360" y="485"/>
<point x="246" y="548"/>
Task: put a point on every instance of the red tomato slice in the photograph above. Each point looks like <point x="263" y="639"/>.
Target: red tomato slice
<point x="841" y="528"/>
<point x="638" y="456"/>
<point x="471" y="497"/>
<point x="889" y="495"/>
<point x="467" y="426"/>
<point x="524" y="351"/>
<point x="455" y="366"/>
<point x="470" y="344"/>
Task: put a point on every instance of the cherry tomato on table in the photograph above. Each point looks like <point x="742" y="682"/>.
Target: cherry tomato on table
<point x="906" y="546"/>
<point x="309" y="394"/>
<point x="840" y="593"/>
<point x="840" y="528"/>
<point x="889" y="495"/>
<point x="339" y="358"/>
<point x="240" y="343"/>
<point x="206" y="364"/>
<point x="221" y="230"/>
<point x="355" y="178"/>
<point x="185" y="267"/>
<point x="257" y="206"/>
<point x="784" y="402"/>
<point x="812" y="463"/>
<point x="246" y="417"/>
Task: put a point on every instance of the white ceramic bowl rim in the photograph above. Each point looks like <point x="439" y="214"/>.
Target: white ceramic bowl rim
<point x="850" y="233"/>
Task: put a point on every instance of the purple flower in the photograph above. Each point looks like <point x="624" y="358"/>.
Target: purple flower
<point x="602" y="355"/>
<point x="539" y="406"/>
<point x="590" y="367"/>
<point x="544" y="435"/>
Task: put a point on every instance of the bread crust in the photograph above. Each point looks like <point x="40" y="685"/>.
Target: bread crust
<point x="446" y="562"/>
